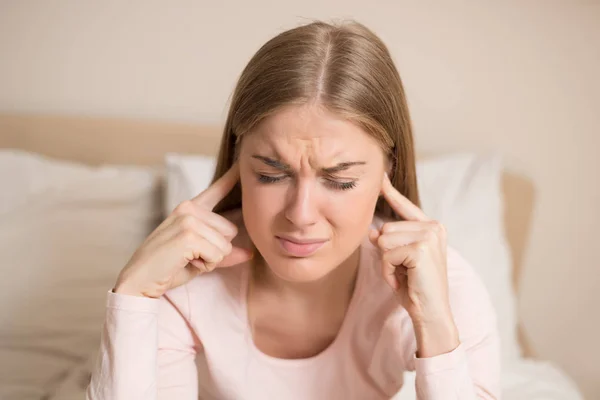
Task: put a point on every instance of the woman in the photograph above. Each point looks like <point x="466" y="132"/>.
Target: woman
<point x="307" y="269"/>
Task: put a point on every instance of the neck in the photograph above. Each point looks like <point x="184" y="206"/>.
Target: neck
<point x="338" y="284"/>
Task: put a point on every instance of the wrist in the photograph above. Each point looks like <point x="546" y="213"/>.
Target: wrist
<point x="127" y="288"/>
<point x="436" y="337"/>
<point x="124" y="290"/>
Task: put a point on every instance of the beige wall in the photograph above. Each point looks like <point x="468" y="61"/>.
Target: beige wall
<point x="520" y="79"/>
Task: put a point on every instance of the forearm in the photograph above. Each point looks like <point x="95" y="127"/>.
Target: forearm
<point x="126" y="364"/>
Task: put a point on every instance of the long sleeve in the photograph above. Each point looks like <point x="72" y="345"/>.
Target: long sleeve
<point x="472" y="370"/>
<point x="147" y="352"/>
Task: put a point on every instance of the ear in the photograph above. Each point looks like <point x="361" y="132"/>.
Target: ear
<point x="389" y="167"/>
<point x="389" y="163"/>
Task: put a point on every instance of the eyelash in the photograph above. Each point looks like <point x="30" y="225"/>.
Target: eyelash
<point x="333" y="184"/>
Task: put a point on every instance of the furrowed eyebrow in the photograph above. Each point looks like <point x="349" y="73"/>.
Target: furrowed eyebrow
<point x="284" y="167"/>
<point x="273" y="163"/>
<point x="342" y="167"/>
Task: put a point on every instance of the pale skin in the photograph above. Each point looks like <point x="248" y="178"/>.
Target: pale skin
<point x="319" y="170"/>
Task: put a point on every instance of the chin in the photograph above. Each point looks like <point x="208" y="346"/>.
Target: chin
<point x="296" y="269"/>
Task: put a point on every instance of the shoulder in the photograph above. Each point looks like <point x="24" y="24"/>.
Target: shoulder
<point x="469" y="298"/>
<point x="470" y="302"/>
<point x="219" y="288"/>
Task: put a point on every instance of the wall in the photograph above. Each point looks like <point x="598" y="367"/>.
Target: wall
<point x="519" y="78"/>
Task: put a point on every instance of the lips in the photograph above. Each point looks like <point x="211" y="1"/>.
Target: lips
<point x="300" y="247"/>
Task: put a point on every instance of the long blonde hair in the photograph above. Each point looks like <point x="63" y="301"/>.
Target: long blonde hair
<point x="343" y="67"/>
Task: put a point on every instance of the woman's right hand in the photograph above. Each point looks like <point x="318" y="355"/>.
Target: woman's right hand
<point x="190" y="241"/>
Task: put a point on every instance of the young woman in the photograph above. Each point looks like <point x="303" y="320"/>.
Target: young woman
<point x="307" y="270"/>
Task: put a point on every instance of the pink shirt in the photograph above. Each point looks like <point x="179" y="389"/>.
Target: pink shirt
<point x="195" y="342"/>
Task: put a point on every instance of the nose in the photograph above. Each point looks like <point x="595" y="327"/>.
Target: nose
<point x="302" y="208"/>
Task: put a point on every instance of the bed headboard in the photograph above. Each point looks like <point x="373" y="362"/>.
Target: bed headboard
<point x="144" y="142"/>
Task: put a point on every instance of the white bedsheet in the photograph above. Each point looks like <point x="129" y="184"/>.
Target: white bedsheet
<point x="530" y="380"/>
<point x="525" y="380"/>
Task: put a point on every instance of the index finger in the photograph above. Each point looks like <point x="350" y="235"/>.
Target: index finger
<point x="216" y="192"/>
<point x="399" y="203"/>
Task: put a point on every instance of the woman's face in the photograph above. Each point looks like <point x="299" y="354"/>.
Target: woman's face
<point x="310" y="182"/>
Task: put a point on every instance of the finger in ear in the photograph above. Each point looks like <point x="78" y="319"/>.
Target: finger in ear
<point x="373" y="236"/>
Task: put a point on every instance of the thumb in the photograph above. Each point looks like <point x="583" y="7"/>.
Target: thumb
<point x="237" y="256"/>
<point x="389" y="274"/>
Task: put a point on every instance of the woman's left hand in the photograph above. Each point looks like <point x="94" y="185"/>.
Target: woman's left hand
<point x="414" y="263"/>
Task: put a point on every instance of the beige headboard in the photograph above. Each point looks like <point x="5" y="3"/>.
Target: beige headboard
<point x="96" y="140"/>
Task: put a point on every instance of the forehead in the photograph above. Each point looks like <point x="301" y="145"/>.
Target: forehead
<point x="311" y="127"/>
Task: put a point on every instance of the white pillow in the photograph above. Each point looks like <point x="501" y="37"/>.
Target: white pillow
<point x="66" y="230"/>
<point x="187" y="175"/>
<point x="463" y="191"/>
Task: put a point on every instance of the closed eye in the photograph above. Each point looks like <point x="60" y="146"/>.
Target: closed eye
<point x="270" y="179"/>
<point x="332" y="183"/>
<point x="341" y="185"/>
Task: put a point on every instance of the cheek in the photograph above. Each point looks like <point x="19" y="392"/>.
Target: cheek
<point x="353" y="210"/>
<point x="260" y="203"/>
